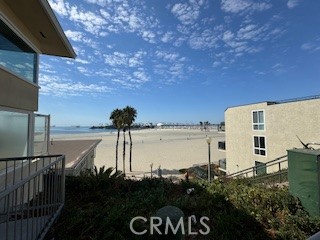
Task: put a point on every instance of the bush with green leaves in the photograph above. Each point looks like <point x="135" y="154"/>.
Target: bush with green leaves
<point x="101" y="204"/>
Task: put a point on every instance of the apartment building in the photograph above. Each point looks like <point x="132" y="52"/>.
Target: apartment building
<point x="261" y="132"/>
<point x="27" y="29"/>
<point x="28" y="185"/>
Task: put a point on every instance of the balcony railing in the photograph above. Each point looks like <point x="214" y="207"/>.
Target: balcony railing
<point x="222" y="145"/>
<point x="31" y="195"/>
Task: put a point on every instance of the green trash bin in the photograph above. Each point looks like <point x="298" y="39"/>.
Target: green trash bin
<point x="304" y="178"/>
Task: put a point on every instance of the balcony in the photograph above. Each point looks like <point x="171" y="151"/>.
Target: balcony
<point x="222" y="145"/>
<point x="31" y="195"/>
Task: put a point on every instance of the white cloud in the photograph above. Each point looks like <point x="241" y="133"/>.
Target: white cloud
<point x="249" y="32"/>
<point x="179" y="41"/>
<point x="74" y="35"/>
<point x="259" y="7"/>
<point x="277" y="65"/>
<point x="126" y="69"/>
<point x="137" y="59"/>
<point x="56" y="86"/>
<point x="238" y="6"/>
<point x="292" y="3"/>
<point x="114" y="17"/>
<point x="167" y="56"/>
<point x="234" y="6"/>
<point x="187" y="13"/>
<point x="126" y="60"/>
<point x="235" y="36"/>
<point x="177" y="69"/>
<point x="278" y="68"/>
<point x="186" y="30"/>
<point x="59" y="6"/>
<point x="140" y="77"/>
<point x="227" y="36"/>
<point x="47" y="68"/>
<point x="216" y="63"/>
<point x="169" y="66"/>
<point x="92" y="22"/>
<point x="167" y="37"/>
<point x="99" y="2"/>
<point x="148" y="36"/>
<point x="308" y="46"/>
<point x="128" y="17"/>
<point x="79" y="60"/>
<point x="116" y="58"/>
<point x="205" y="39"/>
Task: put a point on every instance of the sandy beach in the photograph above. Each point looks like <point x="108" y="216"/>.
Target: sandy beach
<point x="173" y="149"/>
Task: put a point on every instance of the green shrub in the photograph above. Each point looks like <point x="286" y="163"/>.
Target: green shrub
<point x="100" y="205"/>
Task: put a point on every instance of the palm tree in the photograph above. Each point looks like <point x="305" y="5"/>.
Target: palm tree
<point x="117" y="120"/>
<point x="130" y="115"/>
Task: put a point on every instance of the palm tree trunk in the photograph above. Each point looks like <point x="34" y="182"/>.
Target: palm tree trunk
<point x="130" y="156"/>
<point x="117" y="150"/>
<point x="124" y="151"/>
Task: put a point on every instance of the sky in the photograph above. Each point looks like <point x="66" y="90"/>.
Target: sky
<point x="179" y="61"/>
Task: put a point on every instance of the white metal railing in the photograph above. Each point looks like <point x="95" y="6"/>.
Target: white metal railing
<point x="31" y="195"/>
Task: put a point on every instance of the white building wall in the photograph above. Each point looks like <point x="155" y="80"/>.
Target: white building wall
<point x="282" y="123"/>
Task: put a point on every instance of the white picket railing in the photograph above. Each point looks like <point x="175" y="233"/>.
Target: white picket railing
<point x="31" y="195"/>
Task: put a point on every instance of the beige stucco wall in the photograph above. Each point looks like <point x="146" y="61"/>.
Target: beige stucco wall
<point x="17" y="93"/>
<point x="282" y="123"/>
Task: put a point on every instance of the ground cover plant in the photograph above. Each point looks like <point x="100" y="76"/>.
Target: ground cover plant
<point x="101" y="205"/>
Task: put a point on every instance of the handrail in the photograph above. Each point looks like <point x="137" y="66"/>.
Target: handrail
<point x="27" y="179"/>
<point x="241" y="172"/>
<point x="30" y="205"/>
<point x="29" y="157"/>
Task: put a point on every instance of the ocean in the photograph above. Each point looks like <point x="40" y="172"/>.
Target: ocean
<point x="76" y="130"/>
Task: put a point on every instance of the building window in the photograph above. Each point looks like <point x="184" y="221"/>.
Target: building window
<point x="259" y="145"/>
<point x="16" y="55"/>
<point x="258" y="120"/>
<point x="222" y="145"/>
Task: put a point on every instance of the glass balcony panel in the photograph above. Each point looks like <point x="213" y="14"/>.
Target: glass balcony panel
<point x="16" y="55"/>
<point x="13" y="134"/>
<point x="41" y="132"/>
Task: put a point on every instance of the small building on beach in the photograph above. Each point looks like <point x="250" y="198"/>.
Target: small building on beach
<point x="79" y="154"/>
<point x="260" y="132"/>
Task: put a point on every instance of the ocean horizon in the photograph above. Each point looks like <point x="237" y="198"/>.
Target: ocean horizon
<point x="56" y="130"/>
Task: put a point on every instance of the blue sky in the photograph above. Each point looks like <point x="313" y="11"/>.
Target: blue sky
<point x="179" y="61"/>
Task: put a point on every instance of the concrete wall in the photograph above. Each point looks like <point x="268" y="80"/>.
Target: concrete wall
<point x="282" y="123"/>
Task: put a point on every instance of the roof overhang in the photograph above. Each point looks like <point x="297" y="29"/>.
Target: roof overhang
<point x="39" y="19"/>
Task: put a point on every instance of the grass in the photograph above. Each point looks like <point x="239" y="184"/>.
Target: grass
<point x="101" y="206"/>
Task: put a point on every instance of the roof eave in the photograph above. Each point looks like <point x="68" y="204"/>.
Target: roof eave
<point x="69" y="51"/>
